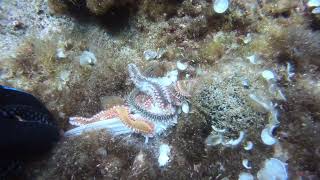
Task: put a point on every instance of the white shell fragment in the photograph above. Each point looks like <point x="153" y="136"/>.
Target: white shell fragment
<point x="246" y="164"/>
<point x="248" y="146"/>
<point x="290" y="71"/>
<point x="214" y="139"/>
<point x="182" y="66"/>
<point x="268" y="105"/>
<point x="273" y="169"/>
<point x="87" y="58"/>
<point x="150" y="55"/>
<point x="313" y="3"/>
<point x="60" y="54"/>
<point x="316" y="10"/>
<point x="220" y="6"/>
<point x="247" y="39"/>
<point x="185" y="107"/>
<point x="245" y="83"/>
<point x="218" y="130"/>
<point x="268" y="75"/>
<point x="164" y="153"/>
<point x="245" y="176"/>
<point x="236" y="142"/>
<point x="267" y="136"/>
<point x="254" y="59"/>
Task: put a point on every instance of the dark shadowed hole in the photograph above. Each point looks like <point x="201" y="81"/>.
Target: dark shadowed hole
<point x="114" y="20"/>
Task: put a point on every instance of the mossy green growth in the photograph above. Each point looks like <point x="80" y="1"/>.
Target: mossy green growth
<point x="159" y="9"/>
<point x="212" y="50"/>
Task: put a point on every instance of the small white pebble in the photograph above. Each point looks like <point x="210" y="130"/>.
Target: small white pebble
<point x="220" y="6"/>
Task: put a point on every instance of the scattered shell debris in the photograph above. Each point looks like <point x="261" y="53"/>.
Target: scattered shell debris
<point x="185" y="107"/>
<point x="254" y="59"/>
<point x="164" y="153"/>
<point x="220" y="6"/>
<point x="150" y="55"/>
<point x="87" y="58"/>
<point x="273" y="169"/>
<point x="246" y="163"/>
<point x="214" y="140"/>
<point x="248" y="146"/>
<point x="245" y="176"/>
<point x="236" y="142"/>
<point x="268" y="75"/>
<point x="267" y="135"/>
<point x="182" y="65"/>
<point x="290" y="71"/>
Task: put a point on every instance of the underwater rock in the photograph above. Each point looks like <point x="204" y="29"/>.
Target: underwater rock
<point x="87" y="58"/>
<point x="220" y="6"/>
<point x="273" y="169"/>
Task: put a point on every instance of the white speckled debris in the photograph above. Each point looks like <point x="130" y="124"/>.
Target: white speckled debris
<point x="267" y="136"/>
<point x="248" y="146"/>
<point x="268" y="75"/>
<point x="245" y="176"/>
<point x="246" y="164"/>
<point x="182" y="65"/>
<point x="150" y="55"/>
<point x="236" y="142"/>
<point x="185" y="107"/>
<point x="220" y="6"/>
<point x="87" y="58"/>
<point x="273" y="169"/>
<point x="164" y="153"/>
